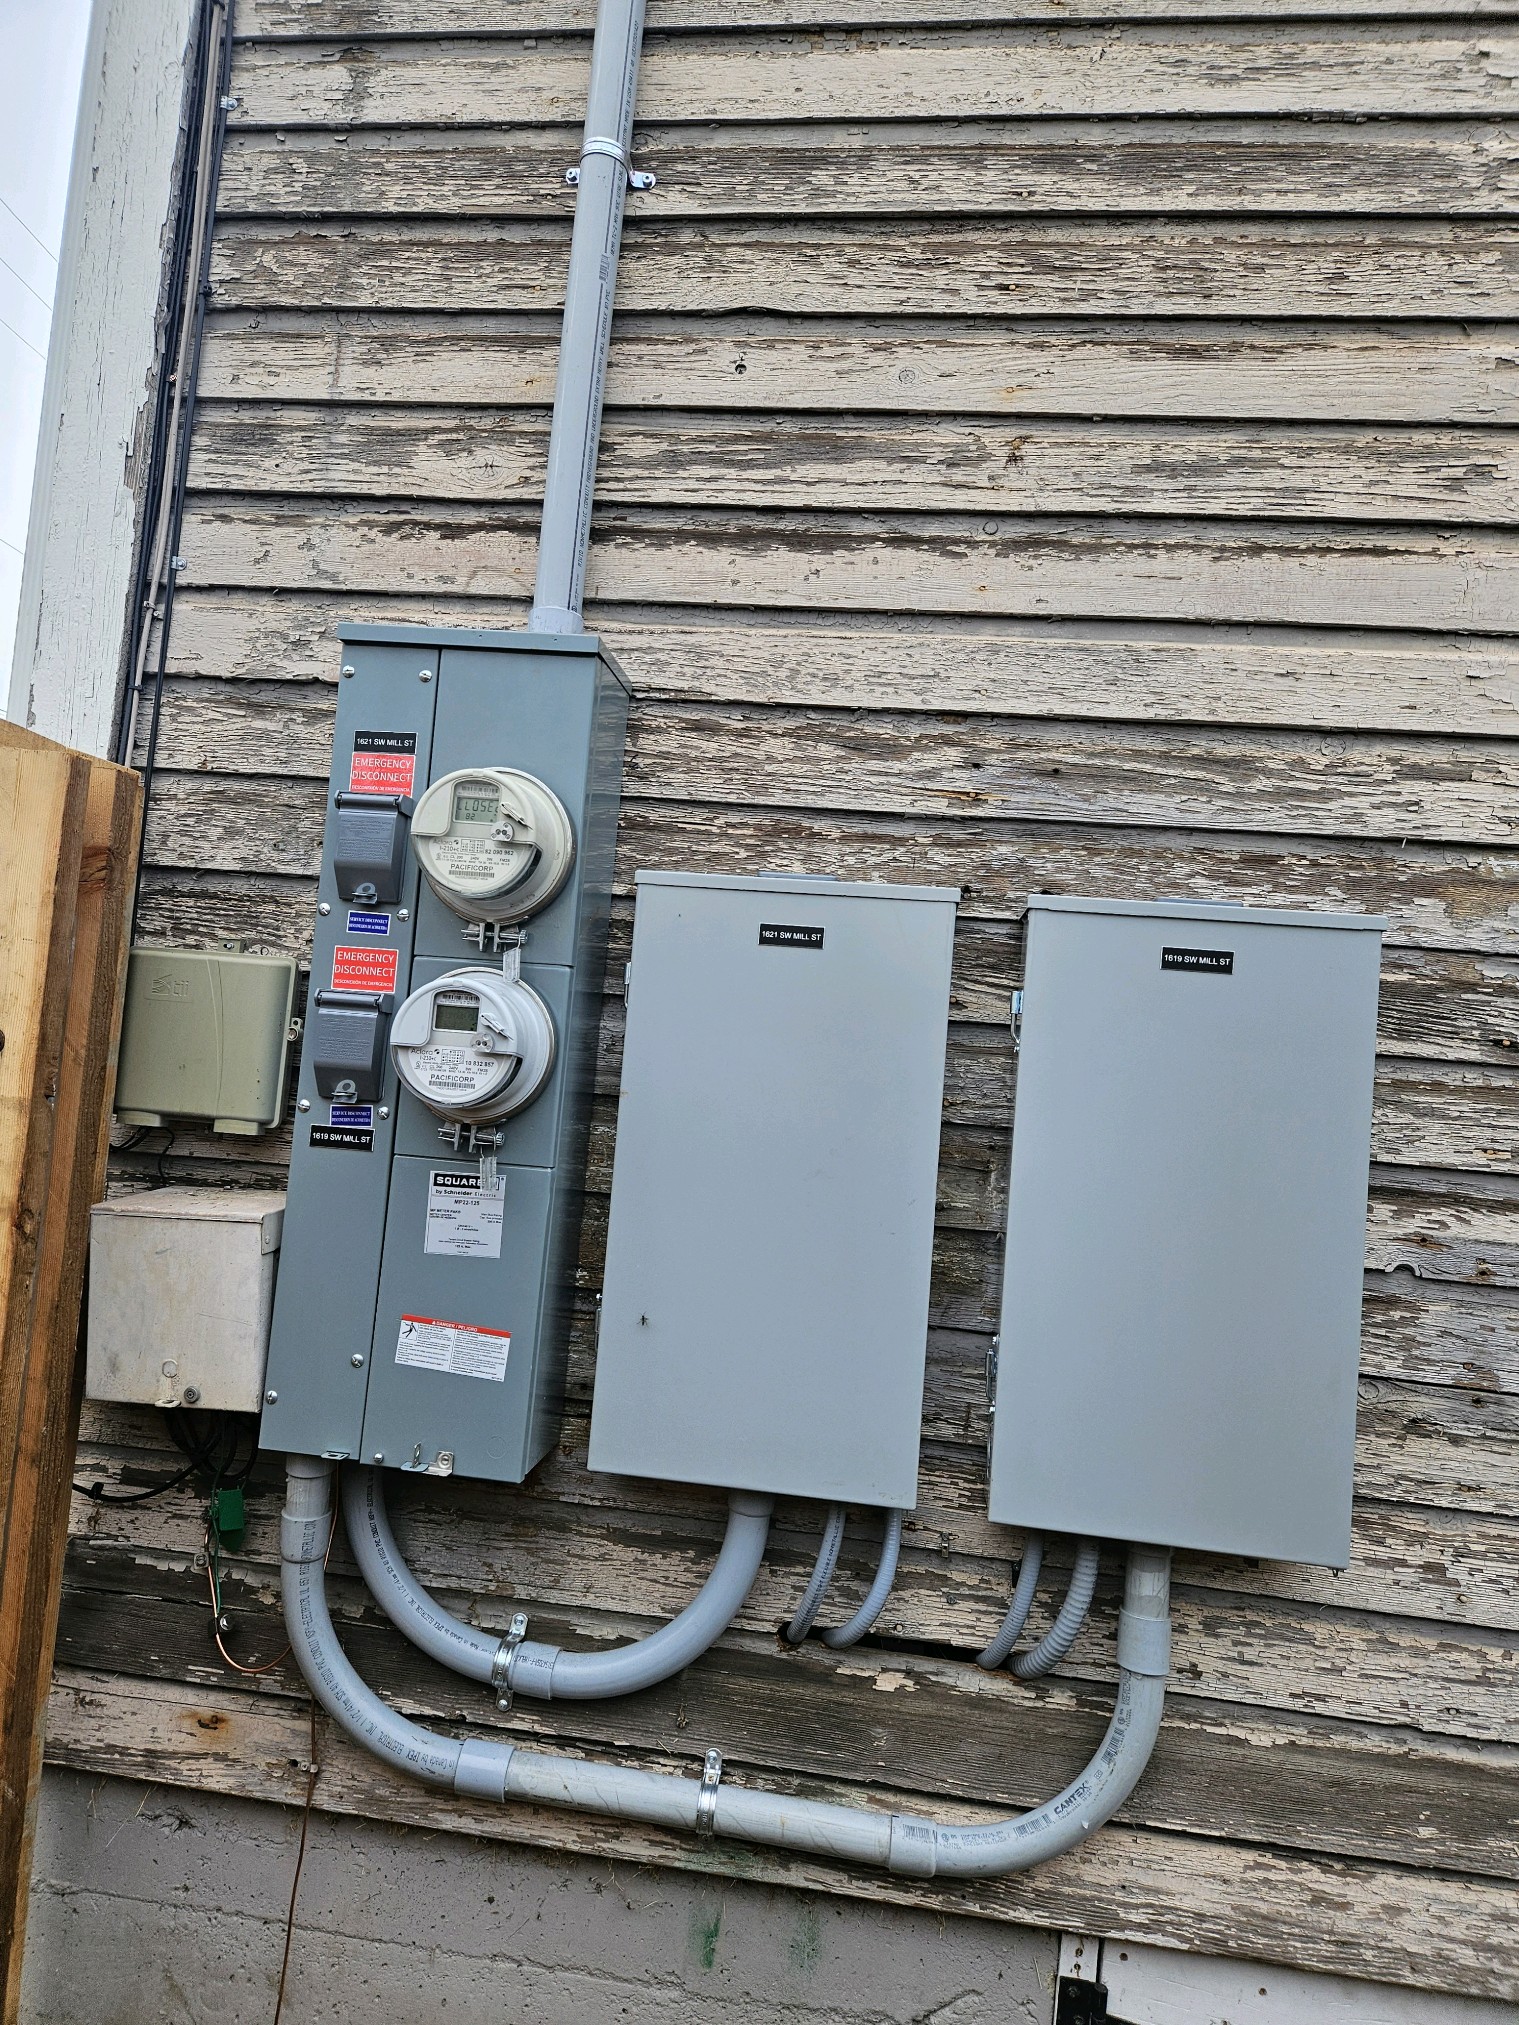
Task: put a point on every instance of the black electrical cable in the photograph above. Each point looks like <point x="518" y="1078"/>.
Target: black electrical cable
<point x="199" y="209"/>
<point x="212" y="71"/>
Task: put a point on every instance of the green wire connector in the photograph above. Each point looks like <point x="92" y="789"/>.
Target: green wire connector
<point x="228" y="1517"/>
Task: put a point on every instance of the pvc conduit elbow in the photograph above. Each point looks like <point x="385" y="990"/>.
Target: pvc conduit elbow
<point x="399" y="1594"/>
<point x="1019" y="1608"/>
<point x="548" y="1673"/>
<point x="928" y="1849"/>
<point x="1061" y="1636"/>
<point x="305" y="1529"/>
<point x="483" y="1769"/>
<point x="875" y="1602"/>
<point x="821" y="1576"/>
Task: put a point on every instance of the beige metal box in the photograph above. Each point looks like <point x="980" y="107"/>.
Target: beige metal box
<point x="181" y="1290"/>
<point x="205" y="1034"/>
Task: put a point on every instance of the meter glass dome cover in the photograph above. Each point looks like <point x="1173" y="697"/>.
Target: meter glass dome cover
<point x="495" y="844"/>
<point x="474" y="1045"/>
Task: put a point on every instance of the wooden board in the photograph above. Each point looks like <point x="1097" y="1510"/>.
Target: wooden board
<point x="1020" y="465"/>
<point x="1301" y="372"/>
<point x="1357" y="68"/>
<point x="1276" y="573"/>
<point x="304" y="18"/>
<point x="68" y="845"/>
<point x="1419" y="169"/>
<point x="982" y="267"/>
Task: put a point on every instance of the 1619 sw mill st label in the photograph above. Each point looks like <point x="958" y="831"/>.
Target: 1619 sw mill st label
<point x="782" y="935"/>
<point x="1218" y="962"/>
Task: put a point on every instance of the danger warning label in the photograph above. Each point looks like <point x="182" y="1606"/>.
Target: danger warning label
<point x="383" y="763"/>
<point x="356" y="967"/>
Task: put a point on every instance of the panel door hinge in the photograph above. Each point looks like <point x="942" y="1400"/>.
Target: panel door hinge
<point x="1081" y="2003"/>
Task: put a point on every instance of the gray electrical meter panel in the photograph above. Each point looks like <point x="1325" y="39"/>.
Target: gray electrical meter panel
<point x="1187" y="1227"/>
<point x="765" y="1309"/>
<point x="432" y="1225"/>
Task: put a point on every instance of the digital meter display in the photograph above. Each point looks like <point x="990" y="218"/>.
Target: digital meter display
<point x="456" y="1016"/>
<point x="475" y="805"/>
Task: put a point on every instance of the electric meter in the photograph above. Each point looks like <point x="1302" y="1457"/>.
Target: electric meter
<point x="494" y="844"/>
<point x="475" y="1045"/>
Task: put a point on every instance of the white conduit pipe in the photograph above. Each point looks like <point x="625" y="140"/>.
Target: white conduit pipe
<point x="579" y="389"/>
<point x="547" y="1672"/>
<point x="491" y="1770"/>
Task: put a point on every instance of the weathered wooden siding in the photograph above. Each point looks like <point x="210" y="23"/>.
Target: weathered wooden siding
<point x="1060" y="446"/>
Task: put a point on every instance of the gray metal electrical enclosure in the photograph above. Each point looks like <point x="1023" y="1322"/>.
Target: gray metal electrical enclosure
<point x="765" y="1309"/>
<point x="1187" y="1227"/>
<point x="422" y="1312"/>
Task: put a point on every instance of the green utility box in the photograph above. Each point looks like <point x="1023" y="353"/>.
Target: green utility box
<point x="205" y="1036"/>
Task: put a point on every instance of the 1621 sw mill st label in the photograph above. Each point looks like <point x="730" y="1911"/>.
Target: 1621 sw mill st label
<point x="784" y="935"/>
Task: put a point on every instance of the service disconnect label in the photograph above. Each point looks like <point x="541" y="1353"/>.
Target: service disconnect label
<point x="383" y="763"/>
<point x="364" y="967"/>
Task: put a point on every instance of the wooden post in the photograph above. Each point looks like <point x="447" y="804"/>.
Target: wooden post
<point x="68" y="845"/>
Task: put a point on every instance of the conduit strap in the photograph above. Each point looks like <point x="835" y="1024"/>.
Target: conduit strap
<point x="603" y="144"/>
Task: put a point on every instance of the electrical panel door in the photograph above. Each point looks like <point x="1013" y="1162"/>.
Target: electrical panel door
<point x="765" y="1309"/>
<point x="422" y="1312"/>
<point x="1187" y="1226"/>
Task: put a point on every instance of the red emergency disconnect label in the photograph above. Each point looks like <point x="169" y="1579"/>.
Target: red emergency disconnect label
<point x="383" y="762"/>
<point x="355" y="968"/>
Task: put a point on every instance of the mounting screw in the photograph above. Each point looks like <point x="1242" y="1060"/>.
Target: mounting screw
<point x="192" y="1395"/>
<point x="379" y="1455"/>
<point x="403" y="914"/>
<point x="229" y="104"/>
<point x="424" y="674"/>
<point x="357" y="1359"/>
<point x="324" y="907"/>
<point x="384" y="1110"/>
<point x="347" y="670"/>
<point x="303" y="1103"/>
<point x="271" y="1397"/>
<point x="177" y="562"/>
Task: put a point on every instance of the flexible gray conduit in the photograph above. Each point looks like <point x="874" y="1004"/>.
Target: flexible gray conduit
<point x="547" y="1672"/>
<point x="822" y="1575"/>
<point x="1019" y="1608"/>
<point x="875" y="1602"/>
<point x="904" y="1843"/>
<point x="1061" y="1636"/>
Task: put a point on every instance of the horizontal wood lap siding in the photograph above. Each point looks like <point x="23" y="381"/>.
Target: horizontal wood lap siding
<point x="1051" y="447"/>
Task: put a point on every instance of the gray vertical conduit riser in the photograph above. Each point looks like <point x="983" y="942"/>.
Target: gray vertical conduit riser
<point x="875" y="1601"/>
<point x="591" y="284"/>
<point x="534" y="1668"/>
<point x="486" y="1770"/>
